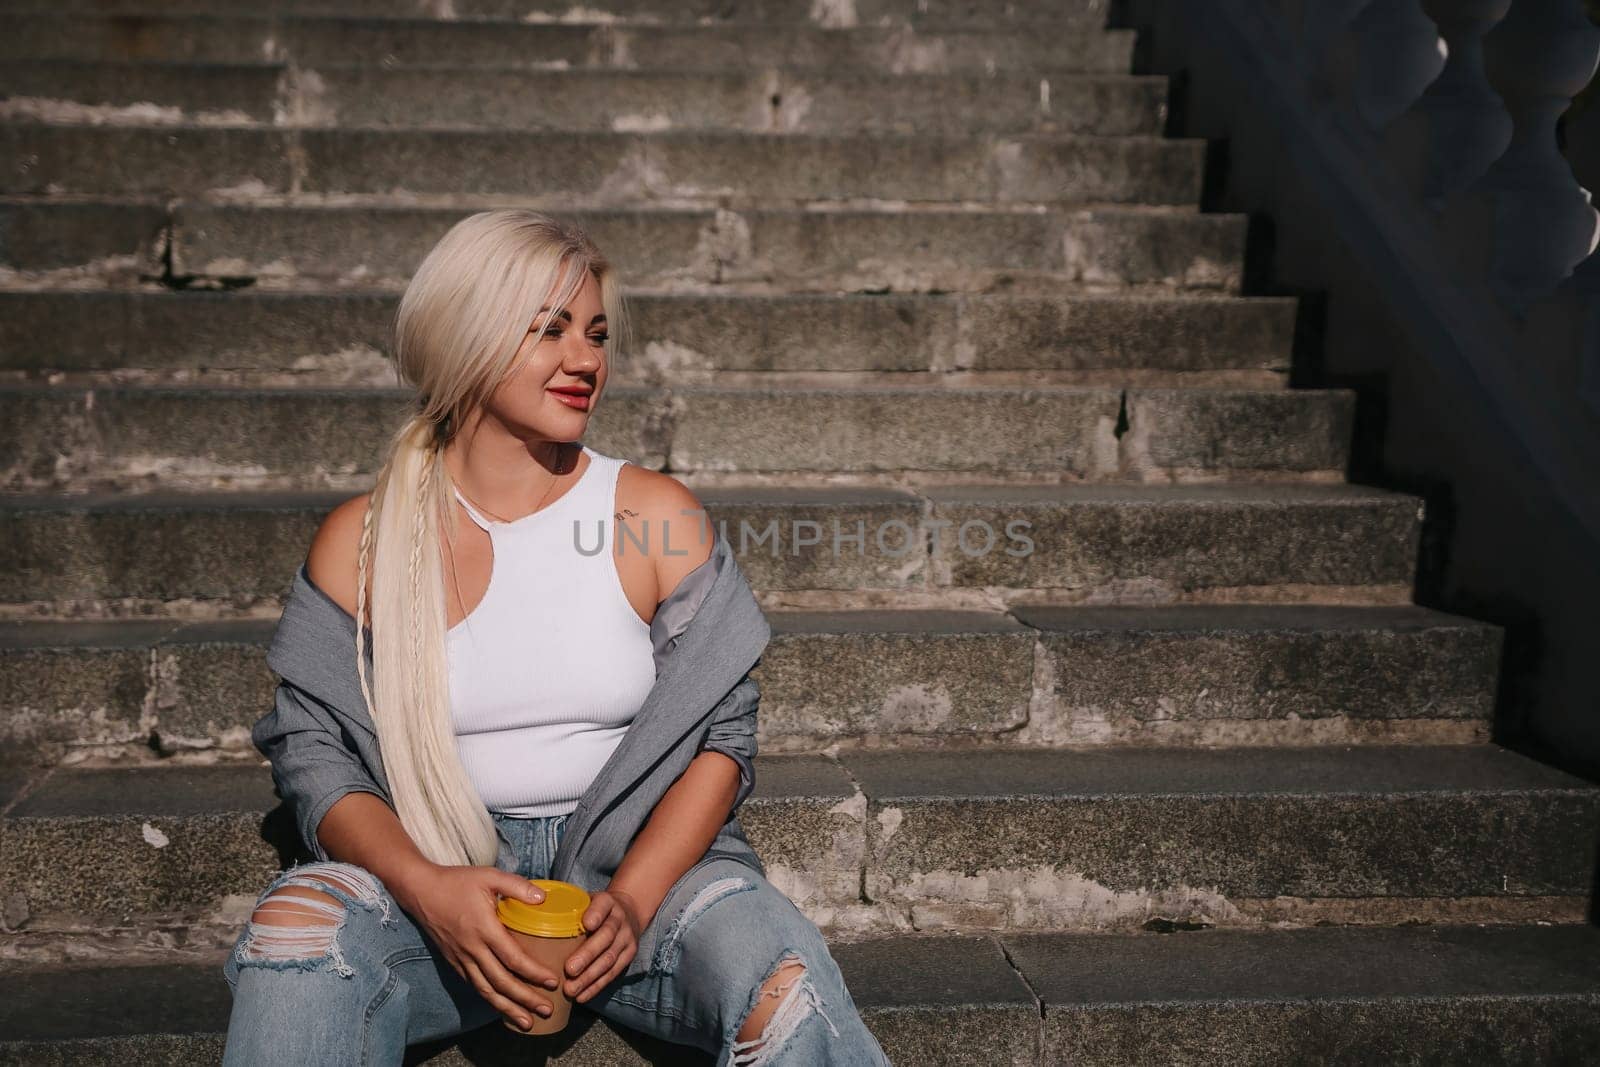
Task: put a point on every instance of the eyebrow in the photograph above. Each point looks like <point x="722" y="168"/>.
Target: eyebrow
<point x="565" y="314"/>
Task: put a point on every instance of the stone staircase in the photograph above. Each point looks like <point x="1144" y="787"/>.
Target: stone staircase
<point x="1190" y="781"/>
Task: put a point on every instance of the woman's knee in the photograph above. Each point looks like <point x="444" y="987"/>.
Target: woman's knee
<point x="781" y="1003"/>
<point x="301" y="921"/>
<point x="770" y="964"/>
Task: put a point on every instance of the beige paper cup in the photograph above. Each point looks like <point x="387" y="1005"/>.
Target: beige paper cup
<point x="551" y="932"/>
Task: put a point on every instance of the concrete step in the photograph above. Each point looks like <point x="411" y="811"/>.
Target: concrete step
<point x="800" y="250"/>
<point x="1079" y="675"/>
<point x="939" y="1000"/>
<point x="106" y="554"/>
<point x="397" y="40"/>
<point x="833" y="251"/>
<point x="1109" y="838"/>
<point x="605" y="167"/>
<point x="55" y="437"/>
<point x="1516" y="995"/>
<point x="780" y="100"/>
<point x="1079" y="13"/>
<point x="339" y="333"/>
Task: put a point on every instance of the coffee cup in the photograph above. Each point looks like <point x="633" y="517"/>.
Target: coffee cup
<point x="550" y="931"/>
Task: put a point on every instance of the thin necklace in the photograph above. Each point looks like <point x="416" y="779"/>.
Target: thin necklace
<point x="560" y="448"/>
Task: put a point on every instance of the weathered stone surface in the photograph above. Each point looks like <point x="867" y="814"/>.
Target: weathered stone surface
<point x="778" y="100"/>
<point x="159" y="1014"/>
<point x="301" y="437"/>
<point x="1172" y="541"/>
<point x="882" y="677"/>
<point x="1116" y="837"/>
<point x="887" y="429"/>
<point x="929" y="1000"/>
<point x="605" y="165"/>
<point x="1175" y="675"/>
<point x="211" y="684"/>
<point x="162" y="839"/>
<point x="1198" y="430"/>
<point x="1092" y="839"/>
<point x="179" y="839"/>
<point x="1554" y="1029"/>
<point x="1442" y="994"/>
<point x="121" y="238"/>
<point x="74" y="684"/>
<point x="233" y="92"/>
<point x="115" y="688"/>
<point x="211" y="547"/>
<point x="808" y="827"/>
<point x="189" y="331"/>
<point x="257" y="330"/>
<point x="248" y="36"/>
<point x="142" y="160"/>
<point x="942" y="1000"/>
<point x="1127" y="543"/>
<point x="1068" y="430"/>
<point x="1238" y="673"/>
<point x="1083" y="13"/>
<point x="836" y="250"/>
<point x="791" y="166"/>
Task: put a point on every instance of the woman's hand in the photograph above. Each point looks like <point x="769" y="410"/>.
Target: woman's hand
<point x="614" y="924"/>
<point x="456" y="906"/>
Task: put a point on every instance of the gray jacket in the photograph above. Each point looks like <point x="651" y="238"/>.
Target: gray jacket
<point x="708" y="635"/>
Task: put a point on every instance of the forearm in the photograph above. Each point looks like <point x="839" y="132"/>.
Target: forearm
<point x="360" y="828"/>
<point x="679" y="831"/>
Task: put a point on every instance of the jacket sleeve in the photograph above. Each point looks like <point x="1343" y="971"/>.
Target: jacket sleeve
<point x="733" y="731"/>
<point x="314" y="761"/>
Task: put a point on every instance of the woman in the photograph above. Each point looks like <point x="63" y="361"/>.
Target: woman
<point x="520" y="704"/>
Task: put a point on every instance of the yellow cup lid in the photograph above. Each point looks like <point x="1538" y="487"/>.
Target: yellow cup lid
<point x="561" y="914"/>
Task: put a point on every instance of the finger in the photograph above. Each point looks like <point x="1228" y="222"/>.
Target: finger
<point x="511" y="885"/>
<point x="592" y="973"/>
<point x="595" y="944"/>
<point x="509" y="985"/>
<point x="511" y="953"/>
<point x="600" y="974"/>
<point x="601" y="960"/>
<point x="597" y="912"/>
<point x="624" y="957"/>
<point x="515" y="1012"/>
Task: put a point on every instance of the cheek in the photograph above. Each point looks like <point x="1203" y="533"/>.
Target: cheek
<point x="518" y="396"/>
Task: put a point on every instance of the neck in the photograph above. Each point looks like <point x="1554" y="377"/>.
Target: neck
<point x="502" y="472"/>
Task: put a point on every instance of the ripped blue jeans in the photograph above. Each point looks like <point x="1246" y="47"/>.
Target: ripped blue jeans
<point x="359" y="981"/>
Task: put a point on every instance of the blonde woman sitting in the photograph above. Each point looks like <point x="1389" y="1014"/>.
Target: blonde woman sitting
<point x="520" y="704"/>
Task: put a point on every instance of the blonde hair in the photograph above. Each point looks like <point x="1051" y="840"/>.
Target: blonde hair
<point x="459" y="326"/>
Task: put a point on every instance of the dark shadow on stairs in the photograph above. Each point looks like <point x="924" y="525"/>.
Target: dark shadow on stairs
<point x="495" y="1046"/>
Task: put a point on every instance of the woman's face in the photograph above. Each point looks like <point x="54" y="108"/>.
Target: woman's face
<point x="559" y="374"/>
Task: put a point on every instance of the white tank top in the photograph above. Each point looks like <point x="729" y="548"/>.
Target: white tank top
<point x="548" y="670"/>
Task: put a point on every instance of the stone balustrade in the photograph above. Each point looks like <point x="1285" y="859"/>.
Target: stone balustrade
<point x="1453" y="146"/>
<point x="1465" y="97"/>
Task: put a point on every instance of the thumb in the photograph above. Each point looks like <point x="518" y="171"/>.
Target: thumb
<point x="514" y="885"/>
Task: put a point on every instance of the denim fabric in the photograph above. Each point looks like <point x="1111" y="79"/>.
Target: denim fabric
<point x="377" y="982"/>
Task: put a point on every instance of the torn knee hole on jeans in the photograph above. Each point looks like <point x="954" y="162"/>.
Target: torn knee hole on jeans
<point x="297" y="921"/>
<point x="790" y="984"/>
<point x="665" y="958"/>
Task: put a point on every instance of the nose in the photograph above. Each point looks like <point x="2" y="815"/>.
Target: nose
<point x="580" y="356"/>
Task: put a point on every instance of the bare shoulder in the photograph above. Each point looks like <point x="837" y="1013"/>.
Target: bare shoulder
<point x="664" y="520"/>
<point x="331" y="561"/>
